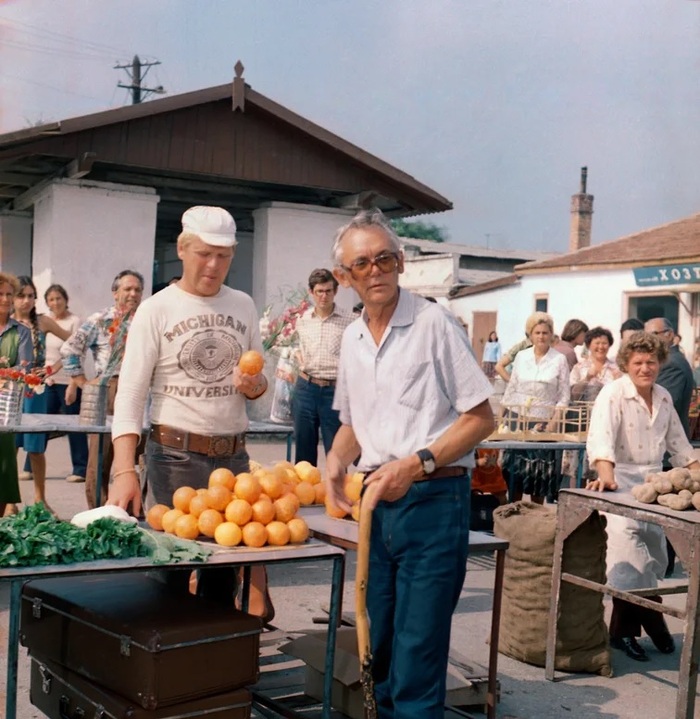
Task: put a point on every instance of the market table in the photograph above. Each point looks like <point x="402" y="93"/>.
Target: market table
<point x="71" y="423"/>
<point x="683" y="531"/>
<point x="343" y="533"/>
<point x="234" y="557"/>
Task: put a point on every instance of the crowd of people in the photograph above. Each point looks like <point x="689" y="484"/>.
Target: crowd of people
<point x="639" y="424"/>
<point x="393" y="388"/>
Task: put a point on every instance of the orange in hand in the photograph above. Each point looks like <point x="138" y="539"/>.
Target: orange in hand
<point x="251" y="362"/>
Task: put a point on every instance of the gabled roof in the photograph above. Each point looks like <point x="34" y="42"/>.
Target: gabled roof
<point x="225" y="145"/>
<point x="677" y="241"/>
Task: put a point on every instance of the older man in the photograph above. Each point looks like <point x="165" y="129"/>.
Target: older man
<point x="319" y="330"/>
<point x="413" y="403"/>
<point x="184" y="346"/>
<point x="102" y="335"/>
<point x="676" y="374"/>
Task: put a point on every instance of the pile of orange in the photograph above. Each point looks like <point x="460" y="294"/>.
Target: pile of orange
<point x="253" y="508"/>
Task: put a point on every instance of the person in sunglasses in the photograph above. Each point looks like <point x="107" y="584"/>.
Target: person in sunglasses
<point x="413" y="404"/>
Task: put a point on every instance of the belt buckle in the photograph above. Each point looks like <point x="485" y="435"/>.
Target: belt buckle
<point x="222" y="446"/>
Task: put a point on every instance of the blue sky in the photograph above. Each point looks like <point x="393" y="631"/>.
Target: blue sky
<point x="494" y="104"/>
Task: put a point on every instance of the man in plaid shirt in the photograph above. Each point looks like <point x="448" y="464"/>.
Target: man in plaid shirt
<point x="320" y="330"/>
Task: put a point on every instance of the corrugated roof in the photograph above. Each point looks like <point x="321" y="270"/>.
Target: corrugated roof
<point x="457" y="292"/>
<point x="474" y="251"/>
<point x="677" y="241"/>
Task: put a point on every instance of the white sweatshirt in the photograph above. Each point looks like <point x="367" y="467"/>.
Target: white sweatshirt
<point x="184" y="349"/>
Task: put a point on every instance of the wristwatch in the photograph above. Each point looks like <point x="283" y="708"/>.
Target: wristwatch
<point x="427" y="459"/>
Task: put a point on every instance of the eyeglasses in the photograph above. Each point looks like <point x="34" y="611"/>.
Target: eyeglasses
<point x="660" y="332"/>
<point x="362" y="267"/>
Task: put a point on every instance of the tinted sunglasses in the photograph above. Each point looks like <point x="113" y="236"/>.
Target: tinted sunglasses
<point x="360" y="268"/>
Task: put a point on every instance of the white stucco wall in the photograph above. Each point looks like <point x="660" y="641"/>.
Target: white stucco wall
<point x="597" y="298"/>
<point x="16" y="243"/>
<point x="431" y="275"/>
<point x="290" y="241"/>
<point x="85" y="233"/>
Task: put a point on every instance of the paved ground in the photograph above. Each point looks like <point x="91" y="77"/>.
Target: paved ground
<point x="635" y="690"/>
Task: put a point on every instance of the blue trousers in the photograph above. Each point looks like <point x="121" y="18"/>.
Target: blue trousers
<point x="312" y="410"/>
<point x="56" y="404"/>
<point x="418" y="559"/>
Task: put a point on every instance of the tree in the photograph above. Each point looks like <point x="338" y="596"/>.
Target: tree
<point x="420" y="230"/>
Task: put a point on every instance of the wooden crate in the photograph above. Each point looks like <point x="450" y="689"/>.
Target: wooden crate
<point x="517" y="424"/>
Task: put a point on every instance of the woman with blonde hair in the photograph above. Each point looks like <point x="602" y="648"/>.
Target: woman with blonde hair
<point x="537" y="394"/>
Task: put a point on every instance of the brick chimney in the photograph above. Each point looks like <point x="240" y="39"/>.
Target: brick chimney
<point x="581" y="216"/>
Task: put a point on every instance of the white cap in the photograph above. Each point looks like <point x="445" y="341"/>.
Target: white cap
<point x="212" y="225"/>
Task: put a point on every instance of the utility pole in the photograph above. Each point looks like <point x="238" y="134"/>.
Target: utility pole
<point x="134" y="71"/>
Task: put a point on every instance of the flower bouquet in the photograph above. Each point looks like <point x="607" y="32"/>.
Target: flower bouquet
<point x="279" y="336"/>
<point x="15" y="384"/>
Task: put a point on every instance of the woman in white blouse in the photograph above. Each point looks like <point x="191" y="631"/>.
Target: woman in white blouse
<point x="539" y="390"/>
<point x="632" y="425"/>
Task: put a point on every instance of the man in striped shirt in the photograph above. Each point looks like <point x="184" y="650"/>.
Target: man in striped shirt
<point x="319" y="330"/>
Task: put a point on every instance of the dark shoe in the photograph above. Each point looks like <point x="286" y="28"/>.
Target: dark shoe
<point x="630" y="647"/>
<point x="664" y="642"/>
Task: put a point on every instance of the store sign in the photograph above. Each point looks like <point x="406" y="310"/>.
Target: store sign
<point x="667" y="275"/>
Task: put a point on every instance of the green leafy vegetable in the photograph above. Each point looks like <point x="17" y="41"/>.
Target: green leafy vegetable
<point x="34" y="537"/>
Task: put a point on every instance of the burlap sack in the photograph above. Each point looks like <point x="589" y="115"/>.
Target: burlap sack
<point x="582" y="638"/>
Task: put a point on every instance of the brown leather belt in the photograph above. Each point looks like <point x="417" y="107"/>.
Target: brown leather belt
<point x="216" y="445"/>
<point x="444" y="473"/>
<point x="440" y="473"/>
<point x="319" y="382"/>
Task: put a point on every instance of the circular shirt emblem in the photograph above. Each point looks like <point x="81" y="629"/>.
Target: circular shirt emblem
<point x="209" y="356"/>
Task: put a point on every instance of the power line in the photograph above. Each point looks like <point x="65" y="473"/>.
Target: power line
<point x="134" y="71"/>
<point x="62" y="37"/>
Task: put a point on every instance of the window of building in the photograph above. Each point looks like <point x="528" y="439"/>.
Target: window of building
<point x="541" y="303"/>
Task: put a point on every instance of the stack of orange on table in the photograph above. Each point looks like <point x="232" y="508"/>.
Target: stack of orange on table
<point x="253" y="508"/>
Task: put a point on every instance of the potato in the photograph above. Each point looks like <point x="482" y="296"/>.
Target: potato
<point x="696" y="500"/>
<point x="645" y="493"/>
<point x="662" y="484"/>
<point x="680" y="478"/>
<point x="694" y="486"/>
<point x="674" y="501"/>
<point x="649" y="479"/>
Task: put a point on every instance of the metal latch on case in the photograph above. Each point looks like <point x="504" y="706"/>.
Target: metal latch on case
<point x="45" y="680"/>
<point x="125" y="645"/>
<point x="36" y="608"/>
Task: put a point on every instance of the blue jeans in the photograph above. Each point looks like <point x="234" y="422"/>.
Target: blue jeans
<point x="312" y="409"/>
<point x="418" y="560"/>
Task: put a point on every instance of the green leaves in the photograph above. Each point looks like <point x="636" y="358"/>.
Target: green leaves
<point x="34" y="537"/>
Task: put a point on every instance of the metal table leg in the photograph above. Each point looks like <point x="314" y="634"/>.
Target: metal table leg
<point x="13" y="649"/>
<point x="333" y="621"/>
<point x="100" y="462"/>
<point x="289" y="447"/>
<point x="492" y="692"/>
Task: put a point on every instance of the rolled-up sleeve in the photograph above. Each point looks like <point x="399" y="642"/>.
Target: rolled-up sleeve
<point x="563" y="386"/>
<point x="74" y="348"/>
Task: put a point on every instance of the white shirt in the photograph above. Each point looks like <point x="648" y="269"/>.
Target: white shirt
<point x="402" y="395"/>
<point x="538" y="386"/>
<point x="184" y="348"/>
<point x="623" y="431"/>
<point x="53" y="346"/>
